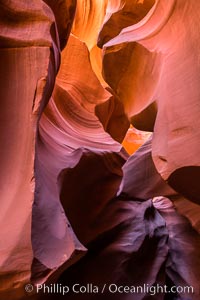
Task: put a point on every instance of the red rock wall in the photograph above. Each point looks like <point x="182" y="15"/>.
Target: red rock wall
<point x="68" y="187"/>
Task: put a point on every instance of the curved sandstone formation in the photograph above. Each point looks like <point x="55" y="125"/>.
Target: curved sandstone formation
<point x="68" y="128"/>
<point x="28" y="69"/>
<point x="76" y="207"/>
<point x="173" y="85"/>
<point x="29" y="63"/>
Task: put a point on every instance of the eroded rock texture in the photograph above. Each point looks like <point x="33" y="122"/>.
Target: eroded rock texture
<point x="30" y="52"/>
<point x="165" y="36"/>
<point x="76" y="206"/>
<point x="28" y="69"/>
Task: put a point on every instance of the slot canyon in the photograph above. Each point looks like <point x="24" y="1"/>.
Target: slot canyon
<point x="100" y="149"/>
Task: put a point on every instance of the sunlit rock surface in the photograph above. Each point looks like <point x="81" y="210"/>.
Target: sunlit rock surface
<point x="67" y="129"/>
<point x="76" y="206"/>
<point x="134" y="139"/>
<point x="166" y="43"/>
<point x="30" y="58"/>
<point x="29" y="65"/>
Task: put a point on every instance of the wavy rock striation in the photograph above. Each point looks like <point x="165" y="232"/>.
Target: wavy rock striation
<point x="87" y="211"/>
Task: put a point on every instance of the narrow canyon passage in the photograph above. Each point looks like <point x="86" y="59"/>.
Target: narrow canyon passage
<point x="99" y="149"/>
